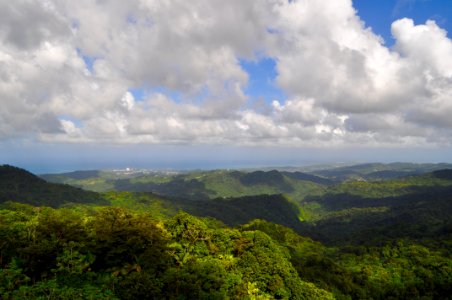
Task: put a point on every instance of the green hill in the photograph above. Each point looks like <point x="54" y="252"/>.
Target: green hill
<point x="309" y="177"/>
<point x="78" y="175"/>
<point x="203" y="184"/>
<point x="376" y="171"/>
<point x="419" y="207"/>
<point x="21" y="186"/>
<point x="186" y="193"/>
<point x="237" y="211"/>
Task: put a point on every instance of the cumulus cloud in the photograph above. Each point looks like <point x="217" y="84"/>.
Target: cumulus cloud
<point x="343" y="85"/>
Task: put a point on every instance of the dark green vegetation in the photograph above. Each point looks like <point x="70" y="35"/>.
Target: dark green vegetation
<point x="236" y="211"/>
<point x="19" y="185"/>
<point x="371" y="238"/>
<point x="419" y="206"/>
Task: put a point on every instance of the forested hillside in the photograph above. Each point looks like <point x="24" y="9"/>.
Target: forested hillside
<point x="116" y="253"/>
<point x="19" y="185"/>
<point x="383" y="239"/>
<point x="371" y="212"/>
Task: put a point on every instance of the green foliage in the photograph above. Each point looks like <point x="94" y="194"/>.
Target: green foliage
<point x="381" y="240"/>
<point x="206" y="278"/>
<point x="312" y="260"/>
<point x="268" y="265"/>
<point x="190" y="237"/>
<point x="134" y="283"/>
<point x="121" y="237"/>
<point x="401" y="270"/>
<point x="50" y="289"/>
<point x="11" y="278"/>
<point x="112" y="252"/>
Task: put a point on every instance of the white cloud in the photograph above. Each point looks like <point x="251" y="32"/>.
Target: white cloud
<point x="428" y="45"/>
<point x="428" y="50"/>
<point x="344" y="85"/>
<point x="25" y="24"/>
<point x="329" y="56"/>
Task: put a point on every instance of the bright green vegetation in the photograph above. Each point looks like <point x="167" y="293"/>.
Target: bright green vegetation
<point x="115" y="253"/>
<point x="377" y="239"/>
<point x="155" y="206"/>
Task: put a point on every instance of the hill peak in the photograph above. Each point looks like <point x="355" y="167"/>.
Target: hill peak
<point x="19" y="185"/>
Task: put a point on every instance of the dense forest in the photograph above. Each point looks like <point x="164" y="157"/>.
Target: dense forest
<point x="318" y="235"/>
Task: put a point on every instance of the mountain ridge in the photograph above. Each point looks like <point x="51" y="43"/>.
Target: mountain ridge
<point x="19" y="185"/>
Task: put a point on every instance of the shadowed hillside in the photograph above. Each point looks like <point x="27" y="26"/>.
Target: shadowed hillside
<point x="21" y="186"/>
<point x="236" y="211"/>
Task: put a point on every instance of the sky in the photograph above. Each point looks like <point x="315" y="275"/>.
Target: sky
<point x="223" y="84"/>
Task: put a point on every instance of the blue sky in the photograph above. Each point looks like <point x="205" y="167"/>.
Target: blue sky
<point x="380" y="14"/>
<point x="224" y="84"/>
<point x="262" y="75"/>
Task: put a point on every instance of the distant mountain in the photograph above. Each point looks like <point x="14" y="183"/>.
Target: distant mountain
<point x="78" y="175"/>
<point x="443" y="174"/>
<point x="202" y="184"/>
<point x="22" y="186"/>
<point x="378" y="171"/>
<point x="199" y="185"/>
<point x="309" y="177"/>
